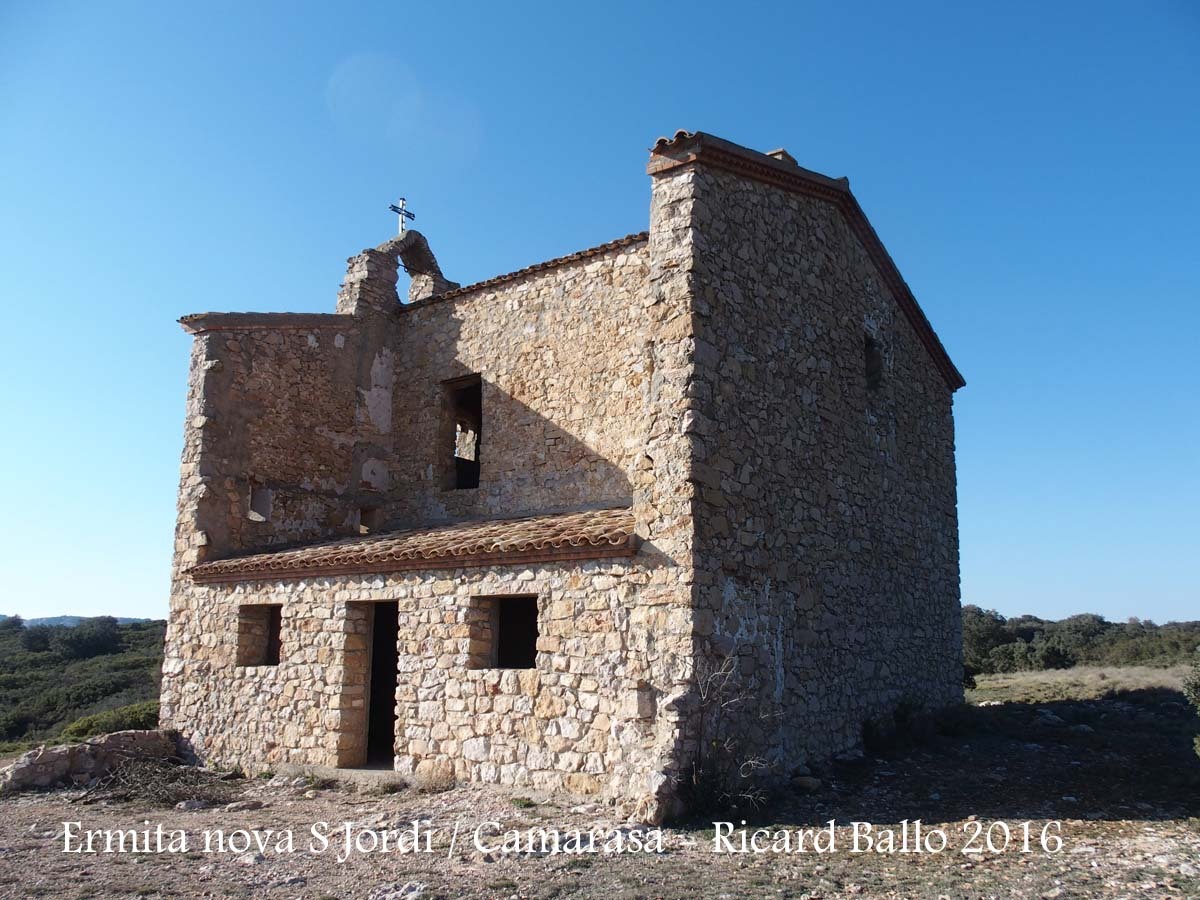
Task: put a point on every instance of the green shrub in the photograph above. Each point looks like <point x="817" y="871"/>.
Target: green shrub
<point x="983" y="631"/>
<point x="136" y="716"/>
<point x="13" y="724"/>
<point x="1191" y="690"/>
<point x="1191" y="686"/>
<point x="91" y="637"/>
<point x="968" y="678"/>
<point x="1052" y="655"/>
<point x="1012" y="657"/>
<point x="37" y="638"/>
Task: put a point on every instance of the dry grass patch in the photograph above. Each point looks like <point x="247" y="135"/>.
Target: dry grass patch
<point x="1079" y="683"/>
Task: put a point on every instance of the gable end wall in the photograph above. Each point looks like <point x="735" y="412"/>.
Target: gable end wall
<point x="826" y="532"/>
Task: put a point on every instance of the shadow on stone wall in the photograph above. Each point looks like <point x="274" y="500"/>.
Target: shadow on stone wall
<point x="380" y="473"/>
<point x="532" y="460"/>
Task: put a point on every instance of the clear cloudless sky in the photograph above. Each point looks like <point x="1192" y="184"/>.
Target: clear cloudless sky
<point x="1034" y="169"/>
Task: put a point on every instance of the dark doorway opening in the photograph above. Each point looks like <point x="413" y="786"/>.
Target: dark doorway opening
<point x="381" y="718"/>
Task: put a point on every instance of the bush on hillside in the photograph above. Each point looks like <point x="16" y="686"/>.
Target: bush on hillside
<point x="14" y="724"/>
<point x="1052" y="654"/>
<point x="91" y="637"/>
<point x="37" y="639"/>
<point x="136" y="716"/>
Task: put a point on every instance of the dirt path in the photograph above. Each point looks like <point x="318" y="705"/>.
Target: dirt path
<point x="1113" y="777"/>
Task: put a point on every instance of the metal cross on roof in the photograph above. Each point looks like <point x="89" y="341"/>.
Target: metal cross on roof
<point x="402" y="213"/>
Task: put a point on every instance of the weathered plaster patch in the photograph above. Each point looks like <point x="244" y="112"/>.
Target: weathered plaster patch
<point x="377" y="400"/>
<point x="375" y="474"/>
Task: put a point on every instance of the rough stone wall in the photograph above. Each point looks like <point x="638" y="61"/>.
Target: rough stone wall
<point x="585" y="719"/>
<point x="254" y="716"/>
<point x="712" y="377"/>
<point x="565" y="359"/>
<point x="83" y="762"/>
<point x="272" y="408"/>
<point x="826" y="533"/>
<point x="279" y="433"/>
<point x="302" y="426"/>
<point x="584" y="370"/>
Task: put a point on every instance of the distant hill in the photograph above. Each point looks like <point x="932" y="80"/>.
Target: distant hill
<point x="53" y="676"/>
<point x="71" y="621"/>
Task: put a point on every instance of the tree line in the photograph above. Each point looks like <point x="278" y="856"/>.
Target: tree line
<point x="993" y="643"/>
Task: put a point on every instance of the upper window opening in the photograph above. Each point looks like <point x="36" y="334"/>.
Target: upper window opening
<point x="260" y="503"/>
<point x="464" y="421"/>
<point x="370" y="520"/>
<point x="873" y="362"/>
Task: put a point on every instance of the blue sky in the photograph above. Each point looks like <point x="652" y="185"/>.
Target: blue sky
<point x="1032" y="167"/>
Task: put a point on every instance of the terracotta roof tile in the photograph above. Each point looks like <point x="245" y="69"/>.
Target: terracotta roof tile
<point x="589" y="534"/>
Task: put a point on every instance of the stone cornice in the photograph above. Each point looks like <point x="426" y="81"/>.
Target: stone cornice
<point x="199" y="323"/>
<point x="698" y="148"/>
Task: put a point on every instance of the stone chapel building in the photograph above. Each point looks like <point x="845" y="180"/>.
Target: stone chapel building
<point x="499" y="531"/>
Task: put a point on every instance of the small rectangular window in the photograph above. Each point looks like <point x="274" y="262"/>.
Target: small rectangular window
<point x="462" y="431"/>
<point x="260" y="503"/>
<point x="370" y="520"/>
<point x="260" y="627"/>
<point x="872" y="362"/>
<point x="503" y="633"/>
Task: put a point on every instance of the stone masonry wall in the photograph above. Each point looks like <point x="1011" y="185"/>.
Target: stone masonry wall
<point x="302" y="422"/>
<point x="826" y="533"/>
<point x="584" y="369"/>
<point x="565" y="364"/>
<point x="585" y="719"/>
<point x="713" y="377"/>
<point x="275" y="440"/>
<point x="271" y="406"/>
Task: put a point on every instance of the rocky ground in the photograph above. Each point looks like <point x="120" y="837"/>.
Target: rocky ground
<point x="1114" y="766"/>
